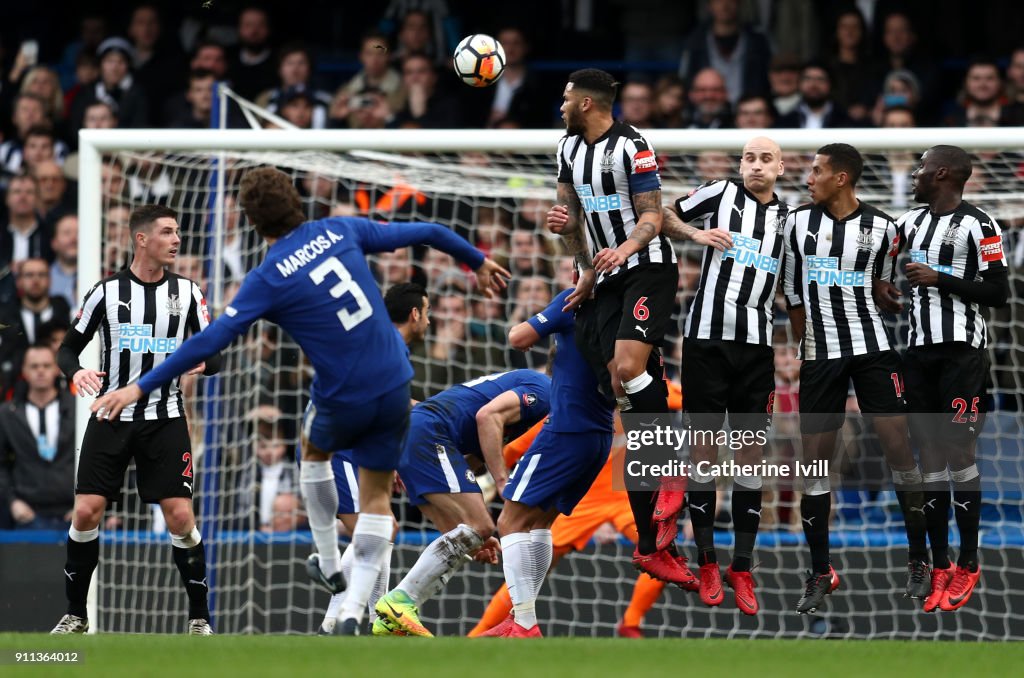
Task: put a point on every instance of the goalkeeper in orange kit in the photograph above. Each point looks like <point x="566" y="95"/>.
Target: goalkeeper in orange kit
<point x="602" y="504"/>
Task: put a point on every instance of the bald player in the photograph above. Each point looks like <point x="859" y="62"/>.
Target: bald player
<point x="728" y="362"/>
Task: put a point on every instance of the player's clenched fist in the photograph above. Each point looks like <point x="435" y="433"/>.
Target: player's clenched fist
<point x="558" y="217"/>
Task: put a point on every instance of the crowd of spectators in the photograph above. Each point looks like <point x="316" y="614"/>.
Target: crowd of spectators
<point x="730" y="63"/>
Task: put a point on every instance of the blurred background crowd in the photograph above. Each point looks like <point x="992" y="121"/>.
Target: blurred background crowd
<point x="699" y="64"/>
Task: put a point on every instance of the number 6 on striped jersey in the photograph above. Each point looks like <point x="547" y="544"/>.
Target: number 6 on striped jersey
<point x="641" y="312"/>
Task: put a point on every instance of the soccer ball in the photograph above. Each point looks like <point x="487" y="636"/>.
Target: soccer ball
<point x="479" y="60"/>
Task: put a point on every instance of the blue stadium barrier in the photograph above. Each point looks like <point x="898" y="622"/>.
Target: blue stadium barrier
<point x="997" y="535"/>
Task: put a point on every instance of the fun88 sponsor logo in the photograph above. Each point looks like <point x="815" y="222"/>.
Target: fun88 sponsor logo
<point x="746" y="252"/>
<point x="921" y="257"/>
<point x="597" y="203"/>
<point x="825" y="271"/>
<point x="140" y="339"/>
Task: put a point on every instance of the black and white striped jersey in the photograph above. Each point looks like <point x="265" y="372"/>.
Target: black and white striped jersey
<point x="962" y="243"/>
<point x="139" y="325"/>
<point x="829" y="265"/>
<point x="735" y="298"/>
<point x="606" y="175"/>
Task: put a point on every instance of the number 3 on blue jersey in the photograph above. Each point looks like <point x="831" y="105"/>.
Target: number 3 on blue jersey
<point x="347" y="284"/>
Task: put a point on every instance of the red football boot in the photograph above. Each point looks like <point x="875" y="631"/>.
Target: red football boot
<point x="499" y="629"/>
<point x="517" y="631"/>
<point x="661" y="565"/>
<point x="742" y="583"/>
<point x="940" y="581"/>
<point x="623" y="631"/>
<point x="711" y="593"/>
<point x="960" y="588"/>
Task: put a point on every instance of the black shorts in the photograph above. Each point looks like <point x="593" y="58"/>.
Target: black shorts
<point x="946" y="390"/>
<point x="163" y="458"/>
<point x="589" y="344"/>
<point x="825" y="385"/>
<point x="728" y="376"/>
<point x="635" y="304"/>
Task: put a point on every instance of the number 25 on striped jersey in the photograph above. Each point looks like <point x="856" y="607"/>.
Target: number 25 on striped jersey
<point x="346" y="285"/>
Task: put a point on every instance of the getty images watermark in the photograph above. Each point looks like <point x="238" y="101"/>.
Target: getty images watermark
<point x="655" y="450"/>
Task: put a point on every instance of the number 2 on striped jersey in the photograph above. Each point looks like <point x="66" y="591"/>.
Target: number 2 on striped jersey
<point x="349" y="319"/>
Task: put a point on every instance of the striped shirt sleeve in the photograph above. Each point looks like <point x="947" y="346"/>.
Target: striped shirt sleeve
<point x="92" y="312"/>
<point x="988" y="243"/>
<point x="701" y="203"/>
<point x="791" y="285"/>
<point x="891" y="243"/>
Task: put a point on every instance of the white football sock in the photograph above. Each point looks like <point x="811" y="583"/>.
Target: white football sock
<point x="380" y="587"/>
<point x="316" y="479"/>
<point x="438" y="561"/>
<point x="334" y="607"/>
<point x="542" y="550"/>
<point x="517" y="562"/>
<point x="370" y="541"/>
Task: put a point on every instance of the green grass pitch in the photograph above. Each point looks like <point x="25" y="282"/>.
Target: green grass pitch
<point x="293" y="656"/>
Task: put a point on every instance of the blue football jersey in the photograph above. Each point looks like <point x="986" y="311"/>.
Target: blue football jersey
<point x="315" y="283"/>
<point x="456" y="407"/>
<point x="576" y="401"/>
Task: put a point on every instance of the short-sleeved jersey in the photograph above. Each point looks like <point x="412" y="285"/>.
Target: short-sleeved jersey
<point x="315" y="283"/>
<point x="735" y="299"/>
<point x="829" y="267"/>
<point x="576" y="401"/>
<point x="606" y="175"/>
<point x="963" y="243"/>
<point x="456" y="407"/>
<point x="140" y="325"/>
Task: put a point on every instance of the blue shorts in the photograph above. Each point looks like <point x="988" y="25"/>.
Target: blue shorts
<point x="372" y="431"/>
<point x="346" y="479"/>
<point x="558" y="469"/>
<point x="431" y="461"/>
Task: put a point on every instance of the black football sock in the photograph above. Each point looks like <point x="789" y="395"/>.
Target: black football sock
<point x="910" y="494"/>
<point x="83" y="548"/>
<point x="746" y="519"/>
<point x="814" y="510"/>
<point x="642" y="502"/>
<point x="936" y="512"/>
<point x="191" y="563"/>
<point x="967" y="510"/>
<point x="702" y="506"/>
<point x="651" y="399"/>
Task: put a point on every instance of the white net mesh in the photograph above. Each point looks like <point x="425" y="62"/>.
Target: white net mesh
<point x="247" y="504"/>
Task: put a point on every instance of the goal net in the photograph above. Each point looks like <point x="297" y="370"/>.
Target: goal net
<point x="494" y="188"/>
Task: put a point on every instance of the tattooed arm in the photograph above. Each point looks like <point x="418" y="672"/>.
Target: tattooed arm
<point x="648" y="226"/>
<point x="675" y="229"/>
<point x="568" y="223"/>
<point x="565" y="219"/>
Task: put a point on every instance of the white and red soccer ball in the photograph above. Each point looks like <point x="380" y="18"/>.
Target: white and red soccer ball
<point x="479" y="60"/>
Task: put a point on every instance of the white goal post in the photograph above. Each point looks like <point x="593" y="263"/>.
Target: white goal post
<point x="485" y="169"/>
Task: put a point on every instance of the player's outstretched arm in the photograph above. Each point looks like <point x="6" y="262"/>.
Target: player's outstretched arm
<point x="674" y="228"/>
<point x="194" y="351"/>
<point x="376" y="237"/>
<point x="491" y="421"/>
<point x="648" y="207"/>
